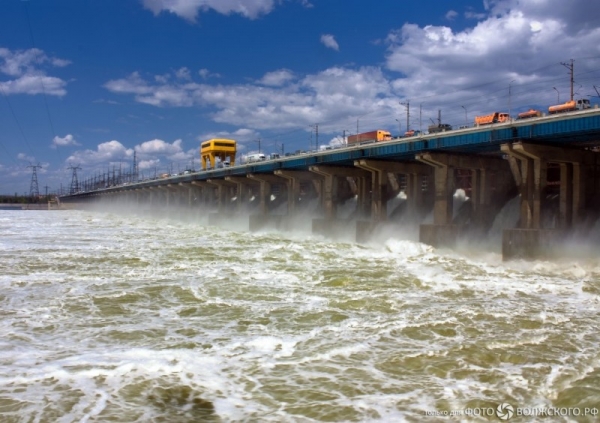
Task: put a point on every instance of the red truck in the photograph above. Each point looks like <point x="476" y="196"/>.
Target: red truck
<point x="372" y="136"/>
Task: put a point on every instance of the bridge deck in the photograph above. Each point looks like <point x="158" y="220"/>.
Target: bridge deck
<point x="576" y="129"/>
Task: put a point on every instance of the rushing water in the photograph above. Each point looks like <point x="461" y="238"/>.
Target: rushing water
<point x="108" y="317"/>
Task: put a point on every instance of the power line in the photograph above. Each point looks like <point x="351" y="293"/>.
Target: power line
<point x="12" y="112"/>
<point x="41" y="77"/>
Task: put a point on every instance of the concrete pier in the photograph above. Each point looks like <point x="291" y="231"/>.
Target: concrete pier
<point x="529" y="163"/>
<point x="385" y="186"/>
<point x="335" y="190"/>
<point x="444" y="231"/>
<point x="551" y="162"/>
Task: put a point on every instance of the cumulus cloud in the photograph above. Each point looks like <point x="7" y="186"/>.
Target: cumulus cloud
<point x="159" y="147"/>
<point x="205" y="74"/>
<point x="151" y="154"/>
<point x="64" y="141"/>
<point x="451" y="15"/>
<point x="23" y="156"/>
<point x="165" y="93"/>
<point x="329" y="41"/>
<point x="107" y="152"/>
<point x="189" y="9"/>
<point x="273" y="102"/>
<point x="183" y="73"/>
<point x="520" y="41"/>
<point x="26" y="67"/>
<point x="277" y="78"/>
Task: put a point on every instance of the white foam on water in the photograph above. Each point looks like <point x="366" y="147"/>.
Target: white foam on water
<point x="113" y="316"/>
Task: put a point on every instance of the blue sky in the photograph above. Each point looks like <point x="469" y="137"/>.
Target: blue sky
<point x="87" y="82"/>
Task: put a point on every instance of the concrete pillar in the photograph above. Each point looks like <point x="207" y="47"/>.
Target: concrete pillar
<point x="207" y="192"/>
<point x="329" y="193"/>
<point x="566" y="196"/>
<point x="529" y="167"/>
<point x="443" y="186"/>
<point x="294" y="179"/>
<point x="443" y="232"/>
<point x="265" y="189"/>
<point x="223" y="194"/>
<point x="244" y="186"/>
<point x="572" y="188"/>
<point x="385" y="185"/>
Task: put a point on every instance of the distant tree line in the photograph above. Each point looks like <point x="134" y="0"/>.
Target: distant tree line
<point x="24" y="199"/>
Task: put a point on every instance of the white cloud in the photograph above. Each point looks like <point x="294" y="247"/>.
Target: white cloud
<point x="470" y="14"/>
<point x="189" y="9"/>
<point x="107" y="152"/>
<point x="23" y="156"/>
<point x="433" y="66"/>
<point x="34" y="84"/>
<point x="158" y="147"/>
<point x="205" y="74"/>
<point x="277" y="78"/>
<point x="522" y="41"/>
<point x="183" y="73"/>
<point x="329" y="41"/>
<point x="157" y="95"/>
<point x="26" y="67"/>
<point x="451" y="15"/>
<point x="148" y="164"/>
<point x="64" y="141"/>
<point x="152" y="154"/>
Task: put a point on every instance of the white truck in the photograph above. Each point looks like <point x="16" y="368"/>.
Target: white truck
<point x="253" y="158"/>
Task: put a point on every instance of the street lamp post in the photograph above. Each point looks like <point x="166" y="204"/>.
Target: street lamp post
<point x="466" y="118"/>
<point x="407" y="105"/>
<point x="557" y="95"/>
<point x="399" y="127"/>
<point x="509" y="94"/>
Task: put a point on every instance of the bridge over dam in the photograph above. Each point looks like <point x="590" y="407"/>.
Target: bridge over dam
<point x="551" y="163"/>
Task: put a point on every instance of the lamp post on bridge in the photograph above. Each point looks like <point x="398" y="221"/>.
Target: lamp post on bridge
<point x="557" y="95"/>
<point x="509" y="94"/>
<point x="407" y="105"/>
<point x="399" y="128"/>
<point x="466" y="118"/>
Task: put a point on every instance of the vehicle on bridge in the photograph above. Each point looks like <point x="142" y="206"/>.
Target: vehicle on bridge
<point x="570" y="106"/>
<point x="531" y="113"/>
<point x="440" y="127"/>
<point x="223" y="149"/>
<point x="412" y="133"/>
<point x="496" y="117"/>
<point x="372" y="136"/>
<point x="253" y="158"/>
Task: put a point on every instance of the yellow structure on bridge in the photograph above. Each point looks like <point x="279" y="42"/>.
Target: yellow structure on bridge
<point x="217" y="147"/>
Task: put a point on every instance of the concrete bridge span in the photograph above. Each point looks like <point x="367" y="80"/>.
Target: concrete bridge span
<point x="550" y="162"/>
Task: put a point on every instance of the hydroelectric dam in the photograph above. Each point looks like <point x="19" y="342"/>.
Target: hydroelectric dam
<point x="550" y="162"/>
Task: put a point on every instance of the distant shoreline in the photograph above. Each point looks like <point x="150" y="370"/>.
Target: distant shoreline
<point x="18" y="206"/>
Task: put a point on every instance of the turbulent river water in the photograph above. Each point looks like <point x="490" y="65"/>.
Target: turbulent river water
<point x="107" y="317"/>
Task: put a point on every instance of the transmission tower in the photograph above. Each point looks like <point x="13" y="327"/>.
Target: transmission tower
<point x="135" y="168"/>
<point x="74" y="183"/>
<point x="34" y="191"/>
<point x="570" y="67"/>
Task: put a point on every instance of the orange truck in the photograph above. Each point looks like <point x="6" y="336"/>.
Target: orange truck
<point x="531" y="113"/>
<point x="570" y="106"/>
<point x="495" y="117"/>
<point x="372" y="136"/>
